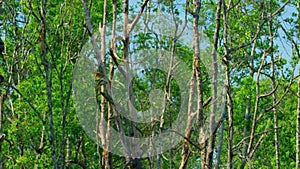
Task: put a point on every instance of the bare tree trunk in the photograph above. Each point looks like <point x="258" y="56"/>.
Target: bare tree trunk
<point x="298" y="108"/>
<point x="104" y="138"/>
<point x="127" y="29"/>
<point x="298" y="126"/>
<point x="199" y="87"/>
<point x="131" y="129"/>
<point x="2" y="136"/>
<point x="226" y="60"/>
<point x="212" y="121"/>
<point x="220" y="143"/>
<point x="273" y="79"/>
<point x="190" y="114"/>
<point x="107" y="154"/>
<point x="275" y="125"/>
<point x="185" y="151"/>
<point x="200" y="115"/>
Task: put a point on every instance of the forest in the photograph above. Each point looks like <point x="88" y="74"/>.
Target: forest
<point x="149" y="84"/>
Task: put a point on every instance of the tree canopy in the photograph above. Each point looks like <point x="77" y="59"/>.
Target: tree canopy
<point x="149" y="84"/>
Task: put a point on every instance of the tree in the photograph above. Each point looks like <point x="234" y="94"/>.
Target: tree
<point x="250" y="123"/>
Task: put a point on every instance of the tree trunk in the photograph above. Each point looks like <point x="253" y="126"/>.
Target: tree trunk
<point x="195" y="72"/>
<point x="48" y="79"/>
<point x="2" y="136"/>
<point x="273" y="79"/>
<point x="298" y="108"/>
<point x="212" y="121"/>
<point x="220" y="143"/>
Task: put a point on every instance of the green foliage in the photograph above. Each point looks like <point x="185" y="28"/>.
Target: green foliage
<point x="26" y="116"/>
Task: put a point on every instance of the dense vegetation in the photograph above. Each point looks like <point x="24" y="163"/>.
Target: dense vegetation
<point x="226" y="70"/>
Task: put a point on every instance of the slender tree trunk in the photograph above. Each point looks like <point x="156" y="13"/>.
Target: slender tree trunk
<point x="212" y="122"/>
<point x="226" y="60"/>
<point x="185" y="151"/>
<point x="2" y="136"/>
<point x="273" y="78"/>
<point x="127" y="29"/>
<point x="105" y="140"/>
<point x="196" y="60"/>
<point x="298" y="126"/>
<point x="134" y="163"/>
<point x="200" y="112"/>
<point x="197" y="74"/>
<point x="298" y="108"/>
<point x="276" y="128"/>
<point x="230" y="120"/>
<point x="220" y="143"/>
